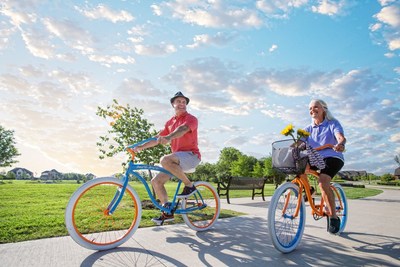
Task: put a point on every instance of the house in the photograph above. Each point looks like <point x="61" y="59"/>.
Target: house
<point x="51" y="175"/>
<point x="22" y="173"/>
<point x="397" y="173"/>
<point x="352" y="175"/>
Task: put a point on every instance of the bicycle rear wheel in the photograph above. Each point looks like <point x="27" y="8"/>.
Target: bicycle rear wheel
<point x="341" y="205"/>
<point x="284" y="228"/>
<point x="88" y="221"/>
<point x="204" y="218"/>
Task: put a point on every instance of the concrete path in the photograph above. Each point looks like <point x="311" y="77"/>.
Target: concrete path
<point x="372" y="238"/>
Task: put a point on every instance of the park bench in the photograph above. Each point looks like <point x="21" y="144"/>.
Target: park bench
<point x="241" y="183"/>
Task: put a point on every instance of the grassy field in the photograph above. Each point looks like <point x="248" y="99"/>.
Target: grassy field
<point x="32" y="210"/>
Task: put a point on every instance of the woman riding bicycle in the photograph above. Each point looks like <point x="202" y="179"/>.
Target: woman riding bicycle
<point x="181" y="132"/>
<point x="325" y="129"/>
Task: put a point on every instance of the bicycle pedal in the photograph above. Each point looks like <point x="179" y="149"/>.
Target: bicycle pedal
<point x="316" y="217"/>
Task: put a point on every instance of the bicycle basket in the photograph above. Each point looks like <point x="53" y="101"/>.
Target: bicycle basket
<point x="287" y="158"/>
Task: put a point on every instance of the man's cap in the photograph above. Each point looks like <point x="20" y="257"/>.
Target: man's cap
<point x="179" y="94"/>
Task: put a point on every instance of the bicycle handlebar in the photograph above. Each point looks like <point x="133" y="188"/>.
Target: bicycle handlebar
<point x="324" y="147"/>
<point x="142" y="142"/>
<point x="131" y="147"/>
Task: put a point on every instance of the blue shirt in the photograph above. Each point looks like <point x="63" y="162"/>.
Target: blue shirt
<point x="323" y="134"/>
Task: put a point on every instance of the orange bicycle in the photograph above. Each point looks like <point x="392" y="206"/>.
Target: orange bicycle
<point x="286" y="212"/>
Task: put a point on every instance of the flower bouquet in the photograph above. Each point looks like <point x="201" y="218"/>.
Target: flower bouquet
<point x="289" y="156"/>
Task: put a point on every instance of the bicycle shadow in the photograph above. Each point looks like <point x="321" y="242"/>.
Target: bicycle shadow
<point x="377" y="244"/>
<point x="127" y="256"/>
<point x="246" y="240"/>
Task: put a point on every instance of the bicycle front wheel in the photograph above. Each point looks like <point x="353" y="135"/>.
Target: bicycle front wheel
<point x="206" y="207"/>
<point x="286" y="229"/>
<point x="88" y="220"/>
<point x="340" y="205"/>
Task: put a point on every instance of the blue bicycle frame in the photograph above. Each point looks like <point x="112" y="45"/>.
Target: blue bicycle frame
<point x="133" y="168"/>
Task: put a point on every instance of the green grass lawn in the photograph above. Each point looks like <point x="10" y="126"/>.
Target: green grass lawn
<point x="32" y="210"/>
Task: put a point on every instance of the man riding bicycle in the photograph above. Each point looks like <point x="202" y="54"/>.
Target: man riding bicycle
<point x="181" y="132"/>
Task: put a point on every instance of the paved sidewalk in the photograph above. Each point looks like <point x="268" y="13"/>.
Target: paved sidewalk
<point x="372" y="238"/>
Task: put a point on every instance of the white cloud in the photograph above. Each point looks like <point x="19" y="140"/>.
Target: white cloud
<point x="17" y="18"/>
<point x="31" y="71"/>
<point x="329" y="7"/>
<point x="71" y="34"/>
<point x="156" y="10"/>
<point x="389" y="15"/>
<point x="6" y="33"/>
<point x="388" y="24"/>
<point x="290" y="82"/>
<point x="108" y="60"/>
<point x="104" y="12"/>
<point x="218" y="39"/>
<point x="393" y="43"/>
<point x="138" y="30"/>
<point x="390" y="55"/>
<point x="273" y="48"/>
<point x="37" y="44"/>
<point x="212" y="14"/>
<point x="387" y="102"/>
<point x="154" y="50"/>
<point x="279" y="8"/>
<point x="395" y="138"/>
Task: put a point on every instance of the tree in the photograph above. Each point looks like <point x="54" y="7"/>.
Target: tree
<point x="387" y="177"/>
<point x="258" y="169"/>
<point x="227" y="156"/>
<point x="269" y="171"/>
<point x="205" y="172"/>
<point x="127" y="127"/>
<point x="243" y="166"/>
<point x="397" y="159"/>
<point x="7" y="149"/>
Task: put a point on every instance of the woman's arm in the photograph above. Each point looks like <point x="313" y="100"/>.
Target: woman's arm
<point x="340" y="146"/>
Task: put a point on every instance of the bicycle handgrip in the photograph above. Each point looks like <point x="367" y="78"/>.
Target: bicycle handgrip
<point x="324" y="147"/>
<point x="142" y="142"/>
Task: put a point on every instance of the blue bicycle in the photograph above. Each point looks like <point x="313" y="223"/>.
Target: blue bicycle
<point x="105" y="212"/>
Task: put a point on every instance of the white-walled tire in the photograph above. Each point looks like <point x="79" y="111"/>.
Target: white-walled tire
<point x="284" y="228"/>
<point x="342" y="209"/>
<point x="202" y="219"/>
<point x="88" y="221"/>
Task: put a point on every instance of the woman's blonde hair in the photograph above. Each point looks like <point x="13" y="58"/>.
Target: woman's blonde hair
<point x="328" y="114"/>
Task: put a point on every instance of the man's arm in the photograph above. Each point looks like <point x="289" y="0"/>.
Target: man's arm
<point x="179" y="132"/>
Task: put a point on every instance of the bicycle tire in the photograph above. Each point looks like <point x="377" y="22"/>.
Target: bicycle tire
<point x="202" y="219"/>
<point x="88" y="222"/>
<point x="285" y="230"/>
<point x="341" y="205"/>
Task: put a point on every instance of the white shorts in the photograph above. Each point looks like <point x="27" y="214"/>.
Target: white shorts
<point x="188" y="161"/>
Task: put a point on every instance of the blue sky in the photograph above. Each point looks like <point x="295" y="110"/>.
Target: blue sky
<point x="249" y="68"/>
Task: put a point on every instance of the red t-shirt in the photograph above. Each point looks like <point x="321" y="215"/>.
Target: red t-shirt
<point x="187" y="142"/>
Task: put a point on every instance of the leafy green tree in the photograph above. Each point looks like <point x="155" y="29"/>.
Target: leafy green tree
<point x="243" y="166"/>
<point x="258" y="170"/>
<point x="387" y="177"/>
<point x="277" y="176"/>
<point x="226" y="157"/>
<point x="7" y="149"/>
<point x="205" y="172"/>
<point x="127" y="127"/>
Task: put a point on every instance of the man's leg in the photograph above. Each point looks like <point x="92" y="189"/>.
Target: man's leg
<point x="158" y="185"/>
<point x="171" y="163"/>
